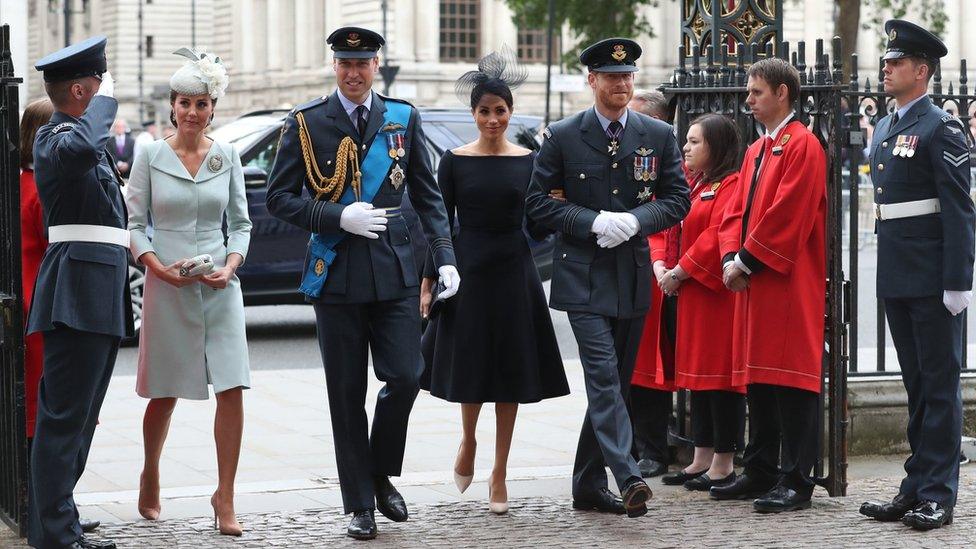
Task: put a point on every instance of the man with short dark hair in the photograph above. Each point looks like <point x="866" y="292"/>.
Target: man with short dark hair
<point x="772" y="241"/>
<point x="925" y="222"/>
<point x="81" y="299"/>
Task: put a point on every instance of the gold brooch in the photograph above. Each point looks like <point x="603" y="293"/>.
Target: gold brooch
<point x="319" y="267"/>
<point x="353" y="40"/>
<point x="215" y="163"/>
<point x="619" y="52"/>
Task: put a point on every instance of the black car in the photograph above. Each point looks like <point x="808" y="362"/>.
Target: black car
<point x="274" y="265"/>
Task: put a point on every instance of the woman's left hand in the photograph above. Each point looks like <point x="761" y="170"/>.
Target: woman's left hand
<point x="219" y="278"/>
<point x="672" y="280"/>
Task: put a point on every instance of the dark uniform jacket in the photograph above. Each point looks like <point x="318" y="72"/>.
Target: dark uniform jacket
<point x="81" y="285"/>
<point x="574" y="157"/>
<point x="924" y="255"/>
<point x="364" y="269"/>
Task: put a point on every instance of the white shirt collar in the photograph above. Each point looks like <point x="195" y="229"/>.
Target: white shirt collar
<point x="903" y="110"/>
<point x="773" y="134"/>
<point x="349" y="105"/>
<point x="605" y="122"/>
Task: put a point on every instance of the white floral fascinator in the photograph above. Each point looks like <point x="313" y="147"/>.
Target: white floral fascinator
<point x="204" y="73"/>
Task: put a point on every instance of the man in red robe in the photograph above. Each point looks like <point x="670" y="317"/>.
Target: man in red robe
<point x="772" y="244"/>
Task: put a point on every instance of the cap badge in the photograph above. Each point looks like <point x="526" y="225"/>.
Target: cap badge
<point x="892" y="35"/>
<point x="353" y="40"/>
<point x="619" y="52"/>
<point x="215" y="163"/>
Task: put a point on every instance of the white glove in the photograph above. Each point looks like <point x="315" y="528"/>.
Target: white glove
<point x="606" y="224"/>
<point x="107" y="87"/>
<point x="451" y="280"/>
<point x="956" y="301"/>
<point x="628" y="222"/>
<point x="610" y="241"/>
<point x="362" y="219"/>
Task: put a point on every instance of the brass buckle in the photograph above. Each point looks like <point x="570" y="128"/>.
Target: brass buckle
<point x="877" y="212"/>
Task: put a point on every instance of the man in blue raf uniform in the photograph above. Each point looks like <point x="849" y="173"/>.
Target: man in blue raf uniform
<point x="925" y="223"/>
<point x="356" y="152"/>
<point x="609" y="163"/>
<point x="81" y="301"/>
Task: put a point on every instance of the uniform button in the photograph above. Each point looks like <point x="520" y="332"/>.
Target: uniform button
<point x="614" y="165"/>
<point x="881" y="167"/>
<point x="582" y="176"/>
<point x="880" y="190"/>
<point x="364" y="147"/>
<point x="564" y="256"/>
<point x="884" y="144"/>
<point x="615" y="191"/>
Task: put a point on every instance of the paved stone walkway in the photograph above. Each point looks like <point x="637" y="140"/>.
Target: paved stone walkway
<point x="677" y="518"/>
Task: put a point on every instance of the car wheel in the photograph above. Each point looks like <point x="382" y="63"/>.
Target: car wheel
<point x="137" y="283"/>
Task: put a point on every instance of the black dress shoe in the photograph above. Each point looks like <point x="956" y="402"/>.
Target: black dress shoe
<point x="362" y="526"/>
<point x="680" y="477"/>
<point x="782" y="498"/>
<point x="603" y="501"/>
<point x="704" y="482"/>
<point x="928" y="515"/>
<point x="651" y="468"/>
<point x="389" y="501"/>
<point x="88" y="543"/>
<point x="89" y="526"/>
<point x="635" y="495"/>
<point x="888" y="512"/>
<point x="744" y="487"/>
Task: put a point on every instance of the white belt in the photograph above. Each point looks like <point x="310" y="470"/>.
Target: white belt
<point x="907" y="209"/>
<point x="88" y="233"/>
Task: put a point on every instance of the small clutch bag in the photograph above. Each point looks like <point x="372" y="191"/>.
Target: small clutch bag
<point x="437" y="304"/>
<point x="200" y="265"/>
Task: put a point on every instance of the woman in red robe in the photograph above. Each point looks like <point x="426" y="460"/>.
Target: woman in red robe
<point x="33" y="242"/>
<point x="703" y="347"/>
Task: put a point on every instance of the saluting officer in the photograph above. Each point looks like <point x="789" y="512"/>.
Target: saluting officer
<point x="609" y="162"/>
<point x="357" y="152"/>
<point x="925" y="223"/>
<point x="81" y="299"/>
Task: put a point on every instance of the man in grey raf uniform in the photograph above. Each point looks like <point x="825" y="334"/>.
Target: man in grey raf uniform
<point x="81" y="300"/>
<point x="609" y="163"/>
<point x="925" y="224"/>
<point x="356" y="152"/>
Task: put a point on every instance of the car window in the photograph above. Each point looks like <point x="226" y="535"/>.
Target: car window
<point x="265" y="156"/>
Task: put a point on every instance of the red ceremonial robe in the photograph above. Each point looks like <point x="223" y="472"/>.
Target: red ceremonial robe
<point x="33" y="242"/>
<point x="779" y="319"/>
<point x="703" y="350"/>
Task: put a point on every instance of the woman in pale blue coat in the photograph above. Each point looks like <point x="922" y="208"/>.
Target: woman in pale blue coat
<point x="193" y="332"/>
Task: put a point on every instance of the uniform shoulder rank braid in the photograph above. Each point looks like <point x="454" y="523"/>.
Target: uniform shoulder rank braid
<point x="547" y="133"/>
<point x="63" y="127"/>
<point x="346" y="156"/>
<point x="953" y="126"/>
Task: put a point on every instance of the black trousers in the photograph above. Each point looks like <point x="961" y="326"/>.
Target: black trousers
<point x="782" y="429"/>
<point x="77" y="369"/>
<point x="608" y="349"/>
<point x="650" y="410"/>
<point x="929" y="343"/>
<point x="718" y="420"/>
<point x="390" y="330"/>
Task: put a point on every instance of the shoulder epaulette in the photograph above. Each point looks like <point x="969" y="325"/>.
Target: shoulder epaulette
<point x="309" y="104"/>
<point x="63" y="127"/>
<point x="396" y="99"/>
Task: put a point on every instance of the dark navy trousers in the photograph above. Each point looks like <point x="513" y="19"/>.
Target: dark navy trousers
<point x="77" y="369"/>
<point x="390" y="331"/>
<point x="929" y="343"/>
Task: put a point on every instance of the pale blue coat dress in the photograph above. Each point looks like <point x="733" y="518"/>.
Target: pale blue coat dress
<point x="195" y="335"/>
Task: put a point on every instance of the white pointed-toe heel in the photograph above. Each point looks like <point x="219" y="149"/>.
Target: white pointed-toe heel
<point x="496" y="507"/>
<point x="462" y="481"/>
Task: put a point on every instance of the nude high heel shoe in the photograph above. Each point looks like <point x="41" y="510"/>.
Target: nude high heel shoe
<point x="461" y="481"/>
<point x="232" y="529"/>
<point x="148" y="513"/>
<point x="496" y="507"/>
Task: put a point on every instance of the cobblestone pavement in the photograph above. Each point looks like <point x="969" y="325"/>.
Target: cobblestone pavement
<point x="676" y="518"/>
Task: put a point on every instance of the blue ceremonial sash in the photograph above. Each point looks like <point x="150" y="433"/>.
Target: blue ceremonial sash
<point x="374" y="167"/>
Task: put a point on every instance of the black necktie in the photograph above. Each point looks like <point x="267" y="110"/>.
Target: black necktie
<point x="894" y="119"/>
<point x="752" y="189"/>
<point x="361" y="114"/>
<point x="614" y="129"/>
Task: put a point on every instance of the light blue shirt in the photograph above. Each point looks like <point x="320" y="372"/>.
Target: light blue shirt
<point x="902" y="111"/>
<point x="350" y="106"/>
<point x="605" y="122"/>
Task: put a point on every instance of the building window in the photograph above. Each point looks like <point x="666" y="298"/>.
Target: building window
<point x="149" y="46"/>
<point x="460" y="30"/>
<point x="532" y="45"/>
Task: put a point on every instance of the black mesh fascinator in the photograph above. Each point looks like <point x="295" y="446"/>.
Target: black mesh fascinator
<point x="499" y="71"/>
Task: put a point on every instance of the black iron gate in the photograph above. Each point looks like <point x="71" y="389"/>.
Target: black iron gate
<point x="13" y="436"/>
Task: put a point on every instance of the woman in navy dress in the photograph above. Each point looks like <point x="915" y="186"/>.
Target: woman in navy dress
<point x="493" y="341"/>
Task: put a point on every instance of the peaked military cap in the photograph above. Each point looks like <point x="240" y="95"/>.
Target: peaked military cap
<point x="86" y="58"/>
<point x="910" y="40"/>
<point x="355" y="43"/>
<point x="611" y="55"/>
